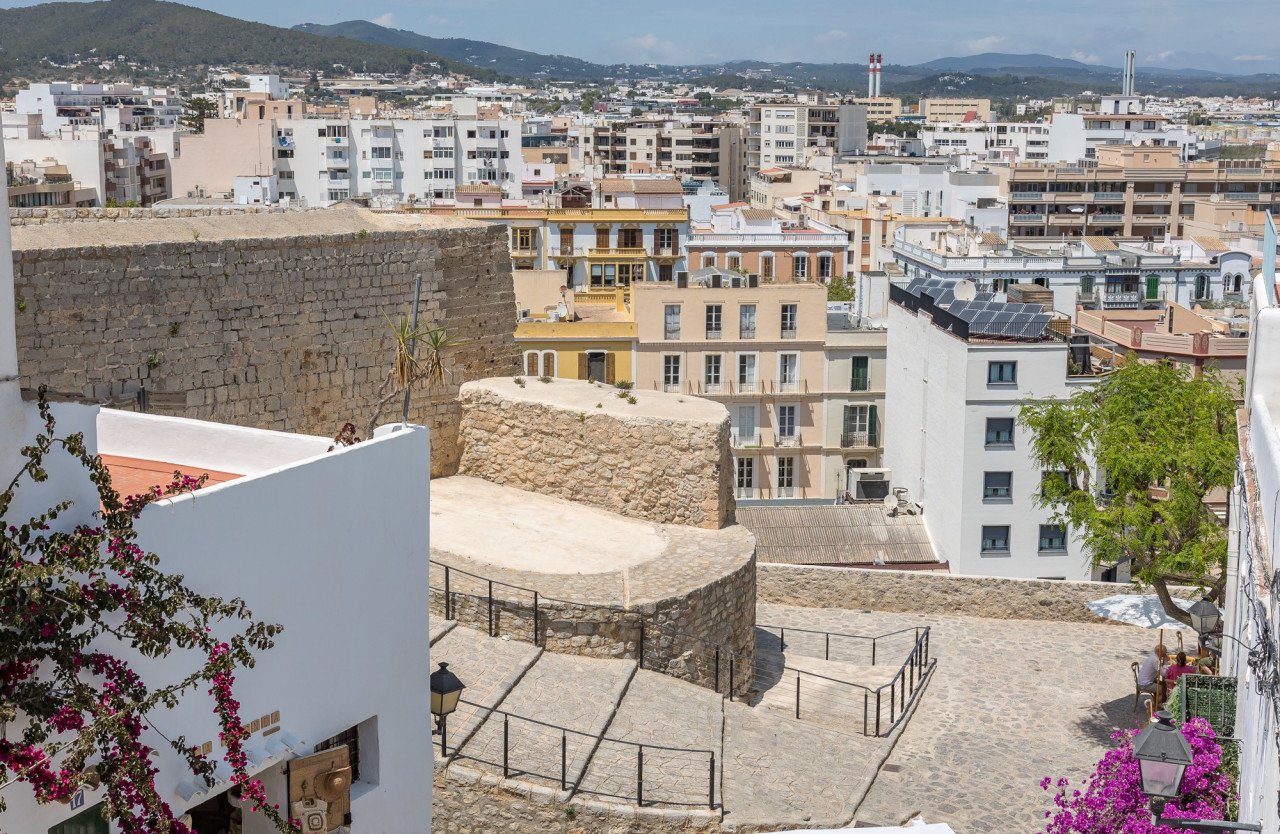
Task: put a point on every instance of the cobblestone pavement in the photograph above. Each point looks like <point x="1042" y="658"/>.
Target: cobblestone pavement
<point x="659" y="710"/>
<point x="1011" y="701"/>
<point x="575" y="693"/>
<point x="777" y="768"/>
<point x="489" y="668"/>
<point x="440" y="627"/>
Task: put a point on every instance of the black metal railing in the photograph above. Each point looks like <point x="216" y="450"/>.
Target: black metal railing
<point x="598" y="765"/>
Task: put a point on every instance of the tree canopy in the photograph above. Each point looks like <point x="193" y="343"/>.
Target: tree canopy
<point x="1129" y="463"/>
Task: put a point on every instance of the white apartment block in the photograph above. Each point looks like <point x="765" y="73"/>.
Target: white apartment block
<point x="111" y="106"/>
<point x="953" y="443"/>
<point x="780" y="132"/>
<point x="937" y="190"/>
<point x="395" y="161"/>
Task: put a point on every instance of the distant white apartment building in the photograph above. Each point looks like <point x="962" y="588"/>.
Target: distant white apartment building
<point x="396" y="160"/>
<point x="929" y="189"/>
<point x="125" y="168"/>
<point x="111" y="106"/>
<point x="779" y="133"/>
<point x="957" y="374"/>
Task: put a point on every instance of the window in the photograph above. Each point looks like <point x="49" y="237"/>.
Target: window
<point x="995" y="539"/>
<point x="747" y="321"/>
<point x="746" y="476"/>
<point x="788" y="321"/>
<point x="800" y="265"/>
<point x="711" y="370"/>
<point x="713" y="321"/>
<point x="350" y="738"/>
<point x="708" y="259"/>
<point x="747" y="378"/>
<point x="524" y="240"/>
<point x="1153" y="286"/>
<point x="859" y="427"/>
<point x="786" y="422"/>
<point x="1052" y="538"/>
<point x="380" y="153"/>
<point x="1202" y="286"/>
<point x="824" y="266"/>
<point x="861" y="378"/>
<point x="630" y="239"/>
<point x="999" y="431"/>
<point x="671" y="322"/>
<point x="766" y="266"/>
<point x="786" y="477"/>
<point x="1002" y="373"/>
<point x="997" y="486"/>
<point x="89" y="821"/>
<point x="671" y="372"/>
<point x="1086" y="285"/>
<point x="788" y="371"/>
<point x="664" y="239"/>
<point x="733" y="262"/>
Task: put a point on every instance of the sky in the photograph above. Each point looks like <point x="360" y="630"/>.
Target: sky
<point x="1230" y="36"/>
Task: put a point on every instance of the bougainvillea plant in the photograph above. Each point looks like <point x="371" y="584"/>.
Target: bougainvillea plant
<point x="76" y="712"/>
<point x="1112" y="801"/>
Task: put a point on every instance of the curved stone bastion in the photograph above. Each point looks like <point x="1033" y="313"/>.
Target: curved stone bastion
<point x="601" y="531"/>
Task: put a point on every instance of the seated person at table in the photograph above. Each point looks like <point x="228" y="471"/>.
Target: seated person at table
<point x="1177" y="670"/>
<point x="1150" y="671"/>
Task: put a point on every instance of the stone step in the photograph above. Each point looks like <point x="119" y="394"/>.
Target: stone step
<point x="439" y="628"/>
<point x="577" y="694"/>
<point x="664" y="713"/>
<point x="777" y="768"/>
<point x="489" y="668"/>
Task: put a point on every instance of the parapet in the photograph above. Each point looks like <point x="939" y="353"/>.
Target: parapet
<point x="656" y="456"/>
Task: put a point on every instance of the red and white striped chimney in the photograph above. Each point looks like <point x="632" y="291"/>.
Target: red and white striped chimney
<point x="871" y="75"/>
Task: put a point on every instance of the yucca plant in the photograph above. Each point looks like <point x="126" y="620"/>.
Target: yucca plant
<point x="418" y="357"/>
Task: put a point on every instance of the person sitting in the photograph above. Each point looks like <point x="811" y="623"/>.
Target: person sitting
<point x="1150" y="671"/>
<point x="1177" y="670"/>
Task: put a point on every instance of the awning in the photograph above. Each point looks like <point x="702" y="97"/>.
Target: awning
<point x="261" y="754"/>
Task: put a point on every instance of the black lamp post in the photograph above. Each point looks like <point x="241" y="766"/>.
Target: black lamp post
<point x="446" y="689"/>
<point x="1206" y="619"/>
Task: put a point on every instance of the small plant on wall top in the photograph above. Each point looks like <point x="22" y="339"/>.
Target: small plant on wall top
<point x="408" y="367"/>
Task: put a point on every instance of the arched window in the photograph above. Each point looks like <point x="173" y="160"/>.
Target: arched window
<point x="766" y="264"/>
<point x="708" y="259"/>
<point x="532" y="363"/>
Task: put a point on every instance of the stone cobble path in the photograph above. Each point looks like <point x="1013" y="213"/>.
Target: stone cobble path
<point x="1011" y="701"/>
<point x="659" y="710"/>
<point x="574" y="693"/>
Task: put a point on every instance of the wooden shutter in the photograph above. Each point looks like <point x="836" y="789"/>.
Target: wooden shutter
<point x="531" y="364"/>
<point x="1153" y="286"/>
<point x="609" y="368"/>
<point x="873" y="427"/>
<point x="582" y="366"/>
<point x="307" y="781"/>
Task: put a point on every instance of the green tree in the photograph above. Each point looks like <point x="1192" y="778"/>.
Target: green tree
<point x="588" y="101"/>
<point x="1163" y="439"/>
<point x="840" y="289"/>
<point x="195" y="110"/>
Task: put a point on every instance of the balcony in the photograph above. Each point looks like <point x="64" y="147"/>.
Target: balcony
<point x="787" y="441"/>
<point x="617" y="252"/>
<point x="788" y="333"/>
<point x="1120" y="299"/>
<point x="340" y="183"/>
<point x="671" y="387"/>
<point x="788" y="386"/>
<point x="744" y="440"/>
<point x="1025" y="196"/>
<point x="859" y="440"/>
<point x="665" y="252"/>
<point x="1108" y="195"/>
<point x="745" y="492"/>
<point x="714" y="333"/>
<point x="524" y="250"/>
<point x="566" y="252"/>
<point x="1106" y="218"/>
<point x="752" y="387"/>
<point x="336" y="141"/>
<point x="1026" y="219"/>
<point x="1240" y="195"/>
<point x="746" y="333"/>
<point x="712" y="388"/>
<point x="671" y="333"/>
<point x="784" y="492"/>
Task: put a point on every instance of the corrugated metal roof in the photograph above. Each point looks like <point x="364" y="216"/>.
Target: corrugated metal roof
<point x="843" y="534"/>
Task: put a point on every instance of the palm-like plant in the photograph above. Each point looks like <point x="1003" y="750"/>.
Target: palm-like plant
<point x="419" y="357"/>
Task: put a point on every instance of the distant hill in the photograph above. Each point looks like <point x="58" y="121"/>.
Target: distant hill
<point x="998" y="60"/>
<point x="170" y="35"/>
<point x="492" y="56"/>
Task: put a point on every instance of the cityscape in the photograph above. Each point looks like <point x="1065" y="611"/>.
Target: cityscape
<point x="753" y="425"/>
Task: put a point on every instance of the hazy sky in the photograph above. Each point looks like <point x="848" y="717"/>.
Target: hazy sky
<point x="1235" y="36"/>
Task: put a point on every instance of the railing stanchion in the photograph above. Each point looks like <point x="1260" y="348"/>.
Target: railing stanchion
<point x="797" y="694"/>
<point x="826" y="655"/>
<point x="448" y="608"/>
<point x="873" y="651"/>
<point x="877" y="713"/>
<point x="711" y="784"/>
<point x="717" y="669"/>
<point x="640" y="775"/>
<point x="535" y="618"/>
<point x="564" y="759"/>
<point x="490" y="607"/>
<point x="640" y="653"/>
<point x="506" y="741"/>
<point x="730" y="677"/>
<point x="865" y="696"/>
<point x="782" y="639"/>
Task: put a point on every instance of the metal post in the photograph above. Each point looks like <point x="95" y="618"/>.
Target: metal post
<point x="782" y="639"/>
<point x="640" y="775"/>
<point x="902" y="693"/>
<point x="444" y="724"/>
<point x="717" y="668"/>
<point x="490" y="607"/>
<point x="506" y="741"/>
<point x="797" y="694"/>
<point x="865" y="696"/>
<point x="564" y="758"/>
<point x="641" y="654"/>
<point x="731" y="677"/>
<point x="873" y="651"/>
<point x="408" y="389"/>
<point x="447" y="609"/>
<point x="535" y="618"/>
<point x="877" y="713"/>
<point x="893" y="701"/>
<point x="711" y="784"/>
<point x="827" y="654"/>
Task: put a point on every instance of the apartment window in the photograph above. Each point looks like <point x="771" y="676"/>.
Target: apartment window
<point x="746" y="476"/>
<point x="1002" y="373"/>
<point x="1053" y="537"/>
<point x="471" y="134"/>
<point x="995" y="539"/>
<point x="1202" y="286"/>
<point x="824" y="266"/>
<point x="1153" y="286"/>
<point x="786" y="422"/>
<point x="788" y="321"/>
<point x="789" y="371"/>
<point x="664" y="239"/>
<point x="711" y="370"/>
<point x="747" y="372"/>
<point x="999" y="431"/>
<point x="524" y="240"/>
<point x="671" y="322"/>
<point x="671" y="372"/>
<point x="800" y="265"/>
<point x="708" y="259"/>
<point x="997" y="486"/>
<point x="786" y="477"/>
<point x="713" y="321"/>
<point x="766" y="266"/>
<point x="747" y="321"/>
<point x="1086" y="285"/>
<point x="860" y="426"/>
<point x="380" y="153"/>
<point x="861" y="377"/>
<point x="733" y="262"/>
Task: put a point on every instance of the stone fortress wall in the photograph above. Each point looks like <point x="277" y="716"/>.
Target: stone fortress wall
<point x="588" y="444"/>
<point x="43" y="216"/>
<point x="270" y="320"/>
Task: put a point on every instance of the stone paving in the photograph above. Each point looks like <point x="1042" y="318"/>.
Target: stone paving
<point x="574" y="693"/>
<point x="1011" y="701"/>
<point x="659" y="710"/>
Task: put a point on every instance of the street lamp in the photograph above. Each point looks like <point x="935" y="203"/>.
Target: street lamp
<point x="1206" y="619"/>
<point x="446" y="689"/>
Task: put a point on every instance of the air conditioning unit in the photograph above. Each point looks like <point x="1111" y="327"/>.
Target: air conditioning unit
<point x="313" y="815"/>
<point x="524" y="314"/>
<point x="753" y="280"/>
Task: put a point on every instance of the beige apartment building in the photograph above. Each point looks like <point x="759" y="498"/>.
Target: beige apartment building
<point x="934" y="110"/>
<point x="757" y="242"/>
<point x="709" y="149"/>
<point x="758" y="349"/>
<point x="880" y="108"/>
<point x="1141" y="191"/>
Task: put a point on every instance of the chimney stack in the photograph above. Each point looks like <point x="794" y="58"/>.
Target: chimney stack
<point x="1130" y="67"/>
<point x="871" y="75"/>
<point x="878" y="59"/>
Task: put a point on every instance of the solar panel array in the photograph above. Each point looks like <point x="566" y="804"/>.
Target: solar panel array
<point x="984" y="315"/>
